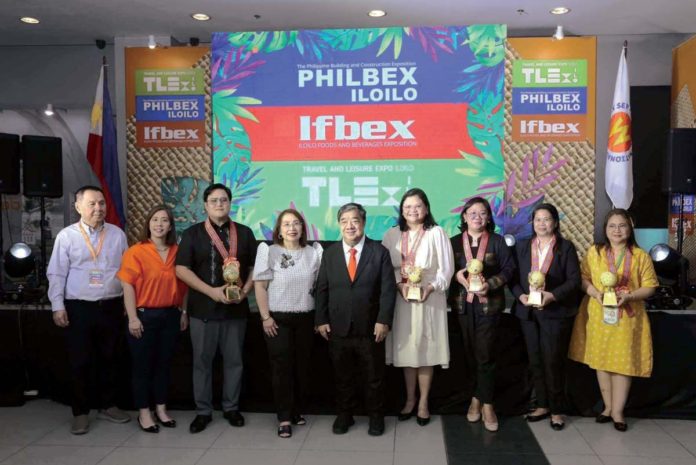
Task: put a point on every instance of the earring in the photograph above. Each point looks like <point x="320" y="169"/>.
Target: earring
<point x="280" y="236"/>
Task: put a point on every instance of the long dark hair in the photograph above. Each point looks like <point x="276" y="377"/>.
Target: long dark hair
<point x="490" y="224"/>
<point x="170" y="239"/>
<point x="556" y="218"/>
<point x="429" y="220"/>
<point x="630" y="242"/>
<point x="276" y="229"/>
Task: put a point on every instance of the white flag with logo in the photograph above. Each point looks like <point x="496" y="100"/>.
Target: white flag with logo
<point x="618" y="175"/>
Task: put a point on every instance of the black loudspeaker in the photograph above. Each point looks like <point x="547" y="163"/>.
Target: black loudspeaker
<point x="43" y="166"/>
<point x="9" y="164"/>
<point x="680" y="167"/>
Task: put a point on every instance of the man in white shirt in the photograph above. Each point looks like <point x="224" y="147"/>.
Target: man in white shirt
<point x="87" y="301"/>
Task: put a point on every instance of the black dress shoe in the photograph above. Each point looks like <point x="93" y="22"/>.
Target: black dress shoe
<point x="376" y="425"/>
<point x="534" y="418"/>
<point x="342" y="423"/>
<point x="620" y="426"/>
<point x="149" y="429"/>
<point x="298" y="420"/>
<point x="557" y="425"/>
<point x="603" y="418"/>
<point x="166" y="424"/>
<point x="422" y="421"/>
<point x="234" y="417"/>
<point x="199" y="423"/>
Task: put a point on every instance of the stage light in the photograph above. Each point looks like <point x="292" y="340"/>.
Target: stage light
<point x="29" y="20"/>
<point x="200" y="17"/>
<point x="510" y="240"/>
<point x="670" y="266"/>
<point x="48" y="111"/>
<point x="151" y="44"/>
<point x="19" y="260"/>
<point x="376" y="13"/>
<point x="558" y="35"/>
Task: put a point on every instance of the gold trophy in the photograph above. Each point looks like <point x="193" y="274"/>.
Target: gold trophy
<point x="536" y="284"/>
<point x="609" y="280"/>
<point x="230" y="273"/>
<point x="414" y="275"/>
<point x="475" y="268"/>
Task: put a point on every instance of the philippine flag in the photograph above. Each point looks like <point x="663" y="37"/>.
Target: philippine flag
<point x="101" y="152"/>
<point x="618" y="174"/>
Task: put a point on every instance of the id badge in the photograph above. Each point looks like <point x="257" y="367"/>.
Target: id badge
<point x="611" y="315"/>
<point x="96" y="278"/>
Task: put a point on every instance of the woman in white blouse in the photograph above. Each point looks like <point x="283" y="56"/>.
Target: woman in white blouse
<point x="284" y="277"/>
<point x="419" y="339"/>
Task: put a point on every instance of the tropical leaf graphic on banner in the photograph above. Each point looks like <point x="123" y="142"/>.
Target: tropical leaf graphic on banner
<point x="514" y="198"/>
<point x="433" y="40"/>
<point x="262" y="41"/>
<point x="487" y="41"/>
<point x="487" y="123"/>
<point x="245" y="183"/>
<point x="184" y="196"/>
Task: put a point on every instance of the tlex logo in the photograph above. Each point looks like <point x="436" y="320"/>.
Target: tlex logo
<point x="336" y="127"/>
<point x="170" y="84"/>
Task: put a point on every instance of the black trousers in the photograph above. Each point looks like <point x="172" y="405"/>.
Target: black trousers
<point x="289" y="354"/>
<point x="547" y="347"/>
<point x="479" y="332"/>
<point x="352" y="355"/>
<point x="151" y="355"/>
<point x="93" y="336"/>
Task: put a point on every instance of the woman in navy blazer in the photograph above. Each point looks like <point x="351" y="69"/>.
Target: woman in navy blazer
<point x="547" y="327"/>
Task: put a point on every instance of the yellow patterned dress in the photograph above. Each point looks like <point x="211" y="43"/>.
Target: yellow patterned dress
<point x="624" y="348"/>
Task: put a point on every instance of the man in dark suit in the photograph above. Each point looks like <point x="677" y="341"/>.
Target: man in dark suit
<point x="355" y="300"/>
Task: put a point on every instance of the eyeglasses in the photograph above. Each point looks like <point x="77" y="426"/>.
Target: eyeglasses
<point x="294" y="224"/>
<point x="617" y="226"/>
<point x="219" y="201"/>
<point x="473" y="215"/>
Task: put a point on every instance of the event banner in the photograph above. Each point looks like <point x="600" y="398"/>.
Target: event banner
<point x="315" y="119"/>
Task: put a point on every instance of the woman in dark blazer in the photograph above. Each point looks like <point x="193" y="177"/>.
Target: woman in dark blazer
<point x="479" y="312"/>
<point x="547" y="326"/>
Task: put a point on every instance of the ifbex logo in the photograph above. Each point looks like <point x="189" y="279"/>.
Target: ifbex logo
<point x="539" y="126"/>
<point x="318" y="129"/>
<point x="164" y="133"/>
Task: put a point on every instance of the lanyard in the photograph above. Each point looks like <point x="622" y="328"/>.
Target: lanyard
<point x="100" y="243"/>
<point x="232" y="237"/>
<point x="536" y="253"/>
<point x="408" y="257"/>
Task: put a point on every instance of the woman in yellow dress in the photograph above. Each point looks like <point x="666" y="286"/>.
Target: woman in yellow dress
<point x="615" y="342"/>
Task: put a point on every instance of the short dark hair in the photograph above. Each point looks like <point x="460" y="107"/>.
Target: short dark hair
<point x="630" y="242"/>
<point x="429" y="220"/>
<point x="276" y="229"/>
<point x="490" y="225"/>
<point x="214" y="187"/>
<point x="554" y="214"/>
<point x="352" y="206"/>
<point x="170" y="239"/>
<point x="88" y="187"/>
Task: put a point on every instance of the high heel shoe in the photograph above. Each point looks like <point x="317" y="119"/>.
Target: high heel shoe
<point x="422" y="421"/>
<point x="473" y="415"/>
<point x="406" y="416"/>
<point x="149" y="429"/>
<point x="491" y="425"/>
<point x="601" y="418"/>
<point x="166" y="424"/>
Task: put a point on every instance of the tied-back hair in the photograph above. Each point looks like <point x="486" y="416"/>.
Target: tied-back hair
<point x="490" y="224"/>
<point x="553" y="211"/>
<point x="630" y="242"/>
<point x="276" y="229"/>
<point x="428" y="221"/>
<point x="170" y="239"/>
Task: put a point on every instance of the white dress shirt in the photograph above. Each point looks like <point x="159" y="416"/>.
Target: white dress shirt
<point x="71" y="262"/>
<point x="358" y="247"/>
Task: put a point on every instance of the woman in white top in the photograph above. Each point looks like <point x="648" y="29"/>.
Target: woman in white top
<point x="419" y="338"/>
<point x="284" y="277"/>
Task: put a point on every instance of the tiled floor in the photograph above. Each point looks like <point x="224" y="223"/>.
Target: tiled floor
<point x="38" y="433"/>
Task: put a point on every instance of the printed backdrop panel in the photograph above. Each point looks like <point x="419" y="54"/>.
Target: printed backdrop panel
<point x="314" y="119"/>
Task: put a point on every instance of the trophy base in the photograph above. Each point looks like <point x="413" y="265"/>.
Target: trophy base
<point x="415" y="294"/>
<point x="233" y="293"/>
<point x="609" y="299"/>
<point x="534" y="299"/>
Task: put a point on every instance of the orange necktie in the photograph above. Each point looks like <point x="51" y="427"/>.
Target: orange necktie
<point x="352" y="264"/>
